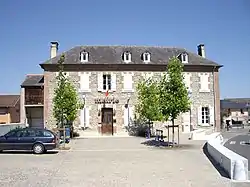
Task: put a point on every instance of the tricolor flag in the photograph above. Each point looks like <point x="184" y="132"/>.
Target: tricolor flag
<point x="107" y="93"/>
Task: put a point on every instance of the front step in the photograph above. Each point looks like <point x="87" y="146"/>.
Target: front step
<point x="95" y="134"/>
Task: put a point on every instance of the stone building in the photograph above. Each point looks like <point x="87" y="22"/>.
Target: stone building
<point x="98" y="70"/>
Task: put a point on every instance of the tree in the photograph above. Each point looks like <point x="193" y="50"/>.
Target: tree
<point x="174" y="98"/>
<point x="148" y="100"/>
<point x="66" y="102"/>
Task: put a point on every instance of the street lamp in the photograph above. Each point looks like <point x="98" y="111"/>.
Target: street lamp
<point x="247" y="106"/>
<point x="190" y="118"/>
<point x="128" y="109"/>
<point x="84" y="111"/>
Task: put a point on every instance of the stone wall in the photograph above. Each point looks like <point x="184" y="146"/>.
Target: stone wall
<point x="198" y="99"/>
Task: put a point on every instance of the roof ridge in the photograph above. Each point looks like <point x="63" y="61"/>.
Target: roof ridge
<point x="137" y="46"/>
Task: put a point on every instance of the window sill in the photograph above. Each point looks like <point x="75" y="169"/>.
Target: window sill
<point x="204" y="125"/>
<point x="204" y="91"/>
<point x="130" y="90"/>
<point x="84" y="91"/>
<point x="103" y="91"/>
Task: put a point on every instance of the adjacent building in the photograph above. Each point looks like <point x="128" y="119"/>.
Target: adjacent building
<point x="106" y="78"/>
<point x="236" y="110"/>
<point x="9" y="109"/>
<point x="32" y="100"/>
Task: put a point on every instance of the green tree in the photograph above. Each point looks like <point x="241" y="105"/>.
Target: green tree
<point x="174" y="98"/>
<point x="148" y="100"/>
<point x="65" y="102"/>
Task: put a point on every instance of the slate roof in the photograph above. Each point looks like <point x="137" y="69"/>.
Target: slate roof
<point x="33" y="80"/>
<point x="113" y="54"/>
<point x="9" y="100"/>
<point x="226" y="104"/>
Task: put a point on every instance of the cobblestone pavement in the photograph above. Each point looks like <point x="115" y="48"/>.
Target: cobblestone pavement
<point x="112" y="162"/>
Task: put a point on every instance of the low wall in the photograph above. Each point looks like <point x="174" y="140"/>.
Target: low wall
<point x="7" y="127"/>
<point x="233" y="164"/>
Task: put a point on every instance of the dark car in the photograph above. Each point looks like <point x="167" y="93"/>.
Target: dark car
<point x="38" y="140"/>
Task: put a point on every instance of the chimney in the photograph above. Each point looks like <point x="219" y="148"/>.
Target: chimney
<point x="201" y="50"/>
<point x="53" y="49"/>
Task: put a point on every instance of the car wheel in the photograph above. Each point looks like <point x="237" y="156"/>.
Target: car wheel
<point x="38" y="148"/>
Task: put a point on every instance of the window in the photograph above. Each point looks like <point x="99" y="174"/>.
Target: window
<point x="11" y="133"/>
<point x="43" y="133"/>
<point x="29" y="133"/>
<point x="204" y="79"/>
<point x="3" y="111"/>
<point x="106" y="82"/>
<point x="146" y="57"/>
<point x="205" y="115"/>
<point x="84" y="57"/>
<point x="184" y="58"/>
<point x="127" y="57"/>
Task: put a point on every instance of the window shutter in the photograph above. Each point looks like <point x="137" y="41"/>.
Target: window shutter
<point x="187" y="81"/>
<point x="100" y="81"/>
<point x="125" y="116"/>
<point x="186" y="118"/>
<point x="211" y="113"/>
<point x="87" y="116"/>
<point x="84" y="82"/>
<point x="199" y="113"/>
<point x="131" y="114"/>
<point x="204" y="82"/>
<point x="128" y="82"/>
<point x="113" y="82"/>
<point x="82" y="120"/>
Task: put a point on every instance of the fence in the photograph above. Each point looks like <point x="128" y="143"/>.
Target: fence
<point x="7" y="127"/>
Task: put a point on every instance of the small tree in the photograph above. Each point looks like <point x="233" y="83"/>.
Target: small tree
<point x="173" y="93"/>
<point x="148" y="101"/>
<point x="66" y="102"/>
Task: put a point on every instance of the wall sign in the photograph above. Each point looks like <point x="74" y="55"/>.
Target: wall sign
<point x="106" y="101"/>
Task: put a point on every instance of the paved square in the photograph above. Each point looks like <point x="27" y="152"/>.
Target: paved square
<point x="111" y="162"/>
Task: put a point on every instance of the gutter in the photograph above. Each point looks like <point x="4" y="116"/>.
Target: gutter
<point x="214" y="98"/>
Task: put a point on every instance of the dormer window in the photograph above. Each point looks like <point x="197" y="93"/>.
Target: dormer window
<point x="126" y="57"/>
<point x="184" y="58"/>
<point x="84" y="56"/>
<point x="146" y="57"/>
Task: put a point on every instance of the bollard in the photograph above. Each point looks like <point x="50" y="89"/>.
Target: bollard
<point x="157" y="136"/>
<point x="239" y="171"/>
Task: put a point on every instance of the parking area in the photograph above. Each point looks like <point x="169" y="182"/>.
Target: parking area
<point x="111" y="162"/>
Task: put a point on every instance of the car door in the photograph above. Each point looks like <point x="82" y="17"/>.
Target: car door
<point x="26" y="140"/>
<point x="8" y="140"/>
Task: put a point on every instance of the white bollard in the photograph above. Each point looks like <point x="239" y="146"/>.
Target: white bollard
<point x="239" y="171"/>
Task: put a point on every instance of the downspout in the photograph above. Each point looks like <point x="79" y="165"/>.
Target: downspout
<point x="214" y="98"/>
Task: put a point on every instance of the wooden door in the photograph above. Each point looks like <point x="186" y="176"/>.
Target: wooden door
<point x="107" y="121"/>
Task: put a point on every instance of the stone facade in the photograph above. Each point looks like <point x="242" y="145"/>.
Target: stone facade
<point x="123" y="67"/>
<point x="199" y="99"/>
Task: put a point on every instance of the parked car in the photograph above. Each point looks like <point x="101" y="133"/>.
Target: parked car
<point x="38" y="140"/>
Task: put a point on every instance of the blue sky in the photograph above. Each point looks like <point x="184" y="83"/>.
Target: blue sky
<point x="27" y="27"/>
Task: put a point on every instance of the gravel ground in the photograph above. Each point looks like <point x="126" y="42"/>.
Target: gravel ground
<point x="112" y="162"/>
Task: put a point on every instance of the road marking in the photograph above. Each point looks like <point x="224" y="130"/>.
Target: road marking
<point x="233" y="142"/>
<point x="242" y="143"/>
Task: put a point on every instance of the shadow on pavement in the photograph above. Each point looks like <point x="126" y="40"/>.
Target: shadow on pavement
<point x="27" y="152"/>
<point x="168" y="145"/>
<point x="222" y="172"/>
